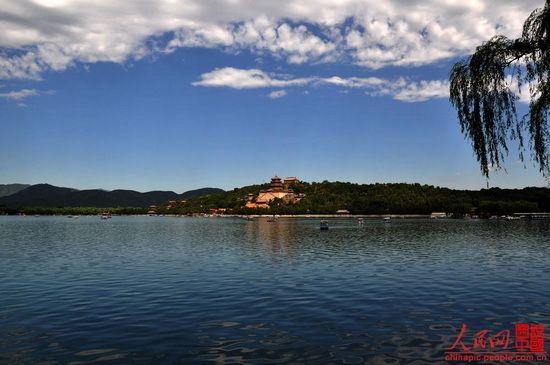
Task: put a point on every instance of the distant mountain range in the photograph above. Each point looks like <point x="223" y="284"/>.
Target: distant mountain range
<point x="11" y="189"/>
<point x="46" y="195"/>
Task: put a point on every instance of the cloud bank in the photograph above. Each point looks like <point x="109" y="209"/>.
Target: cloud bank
<point x="37" y="36"/>
<point x="399" y="89"/>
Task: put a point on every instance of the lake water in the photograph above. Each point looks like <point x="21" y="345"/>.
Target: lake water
<point x="167" y="290"/>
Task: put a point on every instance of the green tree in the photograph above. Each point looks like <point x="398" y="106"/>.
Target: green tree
<point x="461" y="209"/>
<point x="481" y="91"/>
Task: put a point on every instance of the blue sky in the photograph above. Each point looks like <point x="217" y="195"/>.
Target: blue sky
<point x="179" y="95"/>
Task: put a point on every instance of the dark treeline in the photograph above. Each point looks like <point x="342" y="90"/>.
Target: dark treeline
<point x="71" y="210"/>
<point x="328" y="197"/>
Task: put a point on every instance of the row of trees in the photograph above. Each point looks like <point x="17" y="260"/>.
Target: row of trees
<point x="71" y="210"/>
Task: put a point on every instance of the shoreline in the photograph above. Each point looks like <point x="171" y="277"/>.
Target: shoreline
<point x="267" y="216"/>
<point x="393" y="216"/>
<point x="525" y="216"/>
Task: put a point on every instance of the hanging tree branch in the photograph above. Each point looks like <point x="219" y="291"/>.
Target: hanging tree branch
<point x="480" y="90"/>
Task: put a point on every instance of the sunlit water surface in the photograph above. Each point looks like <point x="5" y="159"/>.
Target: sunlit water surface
<point x="223" y="290"/>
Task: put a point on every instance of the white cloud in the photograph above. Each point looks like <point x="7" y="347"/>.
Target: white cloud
<point x="43" y="35"/>
<point x="399" y="89"/>
<point x="295" y="44"/>
<point x="245" y="79"/>
<point x="354" y="82"/>
<point x="277" y="94"/>
<point x="526" y="92"/>
<point x="24" y="93"/>
<point x="21" y="94"/>
<point x="421" y="91"/>
<point x="25" y="66"/>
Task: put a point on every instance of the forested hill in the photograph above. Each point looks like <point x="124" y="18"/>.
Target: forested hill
<point x="46" y="195"/>
<point x="328" y="197"/>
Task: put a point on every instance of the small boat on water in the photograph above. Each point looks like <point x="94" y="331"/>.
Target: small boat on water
<point x="386" y="220"/>
<point x="324" y="225"/>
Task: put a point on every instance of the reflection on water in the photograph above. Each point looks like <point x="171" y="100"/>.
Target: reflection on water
<point x="195" y="290"/>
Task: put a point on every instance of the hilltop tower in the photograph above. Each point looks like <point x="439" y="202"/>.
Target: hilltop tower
<point x="276" y="184"/>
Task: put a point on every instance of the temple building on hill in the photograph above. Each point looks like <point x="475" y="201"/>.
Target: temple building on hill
<point x="277" y="189"/>
<point x="289" y="181"/>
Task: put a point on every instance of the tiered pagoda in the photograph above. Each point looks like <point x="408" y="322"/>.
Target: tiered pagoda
<point x="276" y="184"/>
